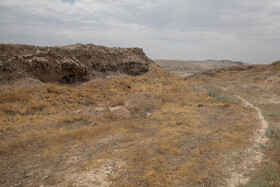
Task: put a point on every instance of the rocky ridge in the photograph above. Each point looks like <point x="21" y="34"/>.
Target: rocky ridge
<point x="69" y="64"/>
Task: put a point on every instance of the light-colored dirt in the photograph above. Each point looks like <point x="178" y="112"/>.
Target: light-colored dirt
<point x="251" y="157"/>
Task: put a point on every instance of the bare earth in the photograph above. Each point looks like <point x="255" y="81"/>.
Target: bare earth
<point x="252" y="156"/>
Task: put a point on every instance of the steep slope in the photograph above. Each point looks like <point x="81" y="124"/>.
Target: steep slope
<point x="68" y="64"/>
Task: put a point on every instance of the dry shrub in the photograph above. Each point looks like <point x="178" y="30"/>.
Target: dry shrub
<point x="15" y="95"/>
<point x="34" y="107"/>
<point x="8" y="109"/>
<point x="52" y="88"/>
<point x="108" y="115"/>
<point x="166" y="97"/>
<point x="117" y="102"/>
<point x="51" y="137"/>
<point x="73" y="118"/>
<point x="138" y="104"/>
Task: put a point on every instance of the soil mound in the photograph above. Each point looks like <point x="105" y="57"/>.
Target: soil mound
<point x="69" y="64"/>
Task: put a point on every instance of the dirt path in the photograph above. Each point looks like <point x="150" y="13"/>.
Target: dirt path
<point x="251" y="157"/>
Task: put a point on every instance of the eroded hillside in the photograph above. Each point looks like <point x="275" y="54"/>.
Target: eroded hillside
<point x="69" y="64"/>
<point x="148" y="130"/>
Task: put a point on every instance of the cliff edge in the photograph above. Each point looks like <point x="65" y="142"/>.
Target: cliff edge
<point x="71" y="63"/>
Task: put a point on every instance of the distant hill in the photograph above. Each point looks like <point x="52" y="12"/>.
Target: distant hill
<point x="184" y="68"/>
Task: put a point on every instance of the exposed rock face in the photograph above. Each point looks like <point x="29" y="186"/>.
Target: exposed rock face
<point x="68" y="64"/>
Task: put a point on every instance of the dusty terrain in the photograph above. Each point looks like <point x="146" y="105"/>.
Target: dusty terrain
<point x="139" y="129"/>
<point x="183" y="68"/>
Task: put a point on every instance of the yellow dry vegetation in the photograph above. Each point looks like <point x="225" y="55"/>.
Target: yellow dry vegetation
<point x="56" y="130"/>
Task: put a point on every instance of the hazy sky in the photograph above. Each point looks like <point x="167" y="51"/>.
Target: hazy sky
<point x="245" y="30"/>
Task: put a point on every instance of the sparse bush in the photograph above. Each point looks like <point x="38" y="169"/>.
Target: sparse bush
<point x="222" y="99"/>
<point x="267" y="177"/>
<point x="15" y="95"/>
<point x="33" y="108"/>
<point x="259" y="183"/>
<point x="270" y="110"/>
<point x="226" y="99"/>
<point x="272" y="114"/>
<point x="273" y="132"/>
<point x="23" y="172"/>
<point x="74" y="118"/>
<point x="117" y="102"/>
<point x="213" y="92"/>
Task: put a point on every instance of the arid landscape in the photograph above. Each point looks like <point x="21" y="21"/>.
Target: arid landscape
<point x="88" y="115"/>
<point x="184" y="68"/>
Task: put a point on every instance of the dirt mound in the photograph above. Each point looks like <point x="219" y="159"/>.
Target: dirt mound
<point x="68" y="64"/>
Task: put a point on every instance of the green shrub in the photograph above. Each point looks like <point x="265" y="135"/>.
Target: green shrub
<point x="213" y="92"/>
<point x="265" y="178"/>
<point x="226" y="99"/>
<point x="273" y="132"/>
<point x="260" y="183"/>
<point x="222" y="99"/>
<point x="272" y="114"/>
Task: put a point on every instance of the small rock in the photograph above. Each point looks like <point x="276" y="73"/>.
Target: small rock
<point x="200" y="105"/>
<point x="108" y="172"/>
<point x="148" y="114"/>
<point x="120" y="112"/>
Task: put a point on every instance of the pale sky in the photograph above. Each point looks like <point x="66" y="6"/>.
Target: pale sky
<point x="241" y="30"/>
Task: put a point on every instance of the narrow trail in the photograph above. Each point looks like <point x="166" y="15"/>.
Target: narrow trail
<point x="251" y="157"/>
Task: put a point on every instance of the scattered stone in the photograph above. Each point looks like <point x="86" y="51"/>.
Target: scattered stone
<point x="148" y="114"/>
<point x="120" y="112"/>
<point x="200" y="105"/>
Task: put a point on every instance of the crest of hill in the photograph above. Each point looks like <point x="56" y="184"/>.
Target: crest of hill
<point x="71" y="63"/>
<point x="194" y="65"/>
<point x="265" y="73"/>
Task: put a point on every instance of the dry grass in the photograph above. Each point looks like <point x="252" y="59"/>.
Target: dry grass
<point x="180" y="144"/>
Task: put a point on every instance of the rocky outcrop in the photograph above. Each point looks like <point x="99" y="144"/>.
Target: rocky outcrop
<point x="68" y="64"/>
